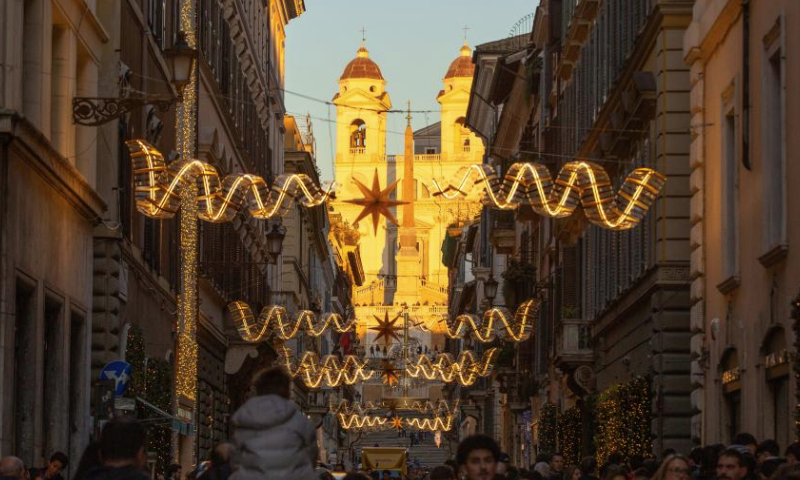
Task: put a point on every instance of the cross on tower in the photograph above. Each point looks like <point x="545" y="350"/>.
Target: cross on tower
<point x="466" y="28"/>
<point x="363" y="34"/>
<point x="408" y="117"/>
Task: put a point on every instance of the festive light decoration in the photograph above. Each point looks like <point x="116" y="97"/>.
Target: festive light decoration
<point x="329" y="371"/>
<point x="386" y="329"/>
<point x="466" y="370"/>
<point x="274" y="319"/>
<point x="569" y="435"/>
<point x="376" y="202"/>
<point x="585" y="183"/>
<point x="546" y="428"/>
<point x="356" y="421"/>
<point x="390" y="375"/>
<point x="441" y="407"/>
<point x="497" y="321"/>
<point x="158" y="188"/>
<point x="623" y="420"/>
<point x="397" y="423"/>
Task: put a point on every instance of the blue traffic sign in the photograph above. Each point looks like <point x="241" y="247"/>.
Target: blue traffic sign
<point x="118" y="371"/>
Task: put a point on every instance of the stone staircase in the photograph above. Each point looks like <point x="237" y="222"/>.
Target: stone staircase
<point x="426" y="454"/>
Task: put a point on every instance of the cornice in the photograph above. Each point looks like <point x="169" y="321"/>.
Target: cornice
<point x="34" y="148"/>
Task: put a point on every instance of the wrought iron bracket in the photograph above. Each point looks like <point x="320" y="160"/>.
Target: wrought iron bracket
<point x="94" y="111"/>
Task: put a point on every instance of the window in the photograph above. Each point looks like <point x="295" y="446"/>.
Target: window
<point x="358" y="136"/>
<point x="729" y="208"/>
<point x="430" y="151"/>
<point x="774" y="148"/>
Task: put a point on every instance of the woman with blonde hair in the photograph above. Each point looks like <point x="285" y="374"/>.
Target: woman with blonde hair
<point x="674" y="467"/>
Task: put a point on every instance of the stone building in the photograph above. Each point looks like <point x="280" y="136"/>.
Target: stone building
<point x="401" y="262"/>
<point x="50" y="51"/>
<point x="601" y="81"/>
<point x="744" y="263"/>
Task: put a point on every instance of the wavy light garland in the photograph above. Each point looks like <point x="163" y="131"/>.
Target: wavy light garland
<point x="466" y="370"/>
<point x="356" y="421"/>
<point x="441" y="407"/>
<point x="329" y="371"/>
<point x="585" y="183"/>
<point x="497" y="322"/>
<point x="157" y="188"/>
<point x="274" y="319"/>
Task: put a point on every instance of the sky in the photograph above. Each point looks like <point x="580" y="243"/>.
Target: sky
<point x="412" y="41"/>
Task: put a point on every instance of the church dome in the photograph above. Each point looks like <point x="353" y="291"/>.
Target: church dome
<point x="362" y="67"/>
<point x="462" y="66"/>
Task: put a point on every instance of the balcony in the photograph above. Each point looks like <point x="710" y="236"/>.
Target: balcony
<point x="357" y="151"/>
<point x="503" y="235"/>
<point x="573" y="343"/>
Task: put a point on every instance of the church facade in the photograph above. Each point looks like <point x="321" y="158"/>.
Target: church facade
<point x="401" y="259"/>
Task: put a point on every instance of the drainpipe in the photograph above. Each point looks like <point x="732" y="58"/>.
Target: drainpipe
<point x="746" y="84"/>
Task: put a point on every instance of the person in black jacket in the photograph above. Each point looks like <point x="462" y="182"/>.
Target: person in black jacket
<point x="122" y="450"/>
<point x="58" y="462"/>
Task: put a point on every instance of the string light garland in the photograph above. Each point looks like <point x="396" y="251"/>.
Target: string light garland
<point x="376" y="422"/>
<point x="466" y="370"/>
<point x="579" y="183"/>
<point x="274" y="320"/>
<point x="328" y="371"/>
<point x="441" y="407"/>
<point x="158" y="188"/>
<point x="498" y="322"/>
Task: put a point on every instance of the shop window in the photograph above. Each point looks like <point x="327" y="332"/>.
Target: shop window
<point x="731" y="391"/>
<point x="777" y="366"/>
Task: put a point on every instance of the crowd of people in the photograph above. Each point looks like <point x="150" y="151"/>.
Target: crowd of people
<point x="274" y="440"/>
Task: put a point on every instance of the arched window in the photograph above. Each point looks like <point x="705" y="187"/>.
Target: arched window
<point x="358" y="135"/>
<point x="461" y="136"/>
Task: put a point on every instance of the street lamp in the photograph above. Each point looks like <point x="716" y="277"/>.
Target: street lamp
<point x="94" y="111"/>
<point x="181" y="59"/>
<point x="275" y="241"/>
<point x="490" y="289"/>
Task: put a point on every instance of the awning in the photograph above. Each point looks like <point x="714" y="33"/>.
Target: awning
<point x="449" y="249"/>
<point x="177" y="425"/>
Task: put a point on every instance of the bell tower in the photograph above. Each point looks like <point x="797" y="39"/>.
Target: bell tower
<point x="361" y="105"/>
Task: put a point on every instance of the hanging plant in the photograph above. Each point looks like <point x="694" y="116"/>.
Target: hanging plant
<point x="516" y="275"/>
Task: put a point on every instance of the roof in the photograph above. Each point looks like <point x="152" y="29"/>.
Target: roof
<point x="362" y="67"/>
<point x="505" y="45"/>
<point x="462" y="66"/>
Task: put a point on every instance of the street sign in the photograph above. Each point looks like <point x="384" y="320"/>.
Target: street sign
<point x="120" y="373"/>
<point x="127" y="404"/>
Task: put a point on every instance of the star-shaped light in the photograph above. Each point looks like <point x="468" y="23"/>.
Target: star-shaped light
<point x="397" y="423"/>
<point x="386" y="329"/>
<point x="376" y="202"/>
<point x="391" y="375"/>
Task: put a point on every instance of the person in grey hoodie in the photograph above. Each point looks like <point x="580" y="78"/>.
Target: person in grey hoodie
<point x="274" y="440"/>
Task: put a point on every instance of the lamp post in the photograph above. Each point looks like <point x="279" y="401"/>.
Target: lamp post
<point x="275" y="241"/>
<point x="95" y="111"/>
<point x="490" y="289"/>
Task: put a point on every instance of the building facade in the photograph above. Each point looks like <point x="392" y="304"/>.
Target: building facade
<point x="744" y="264"/>
<point x="404" y="265"/>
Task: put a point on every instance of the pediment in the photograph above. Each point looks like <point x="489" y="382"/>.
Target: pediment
<point x="456" y="94"/>
<point x="359" y="97"/>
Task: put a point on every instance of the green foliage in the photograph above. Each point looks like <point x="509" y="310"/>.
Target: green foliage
<point x="623" y="420"/>
<point x="548" y="422"/>
<point x="516" y="274"/>
<point x="151" y="380"/>
<point x="570" y="435"/>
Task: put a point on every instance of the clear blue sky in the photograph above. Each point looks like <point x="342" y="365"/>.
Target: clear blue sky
<point x="413" y="42"/>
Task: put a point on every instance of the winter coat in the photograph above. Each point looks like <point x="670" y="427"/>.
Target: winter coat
<point x="274" y="441"/>
<point x="119" y="473"/>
